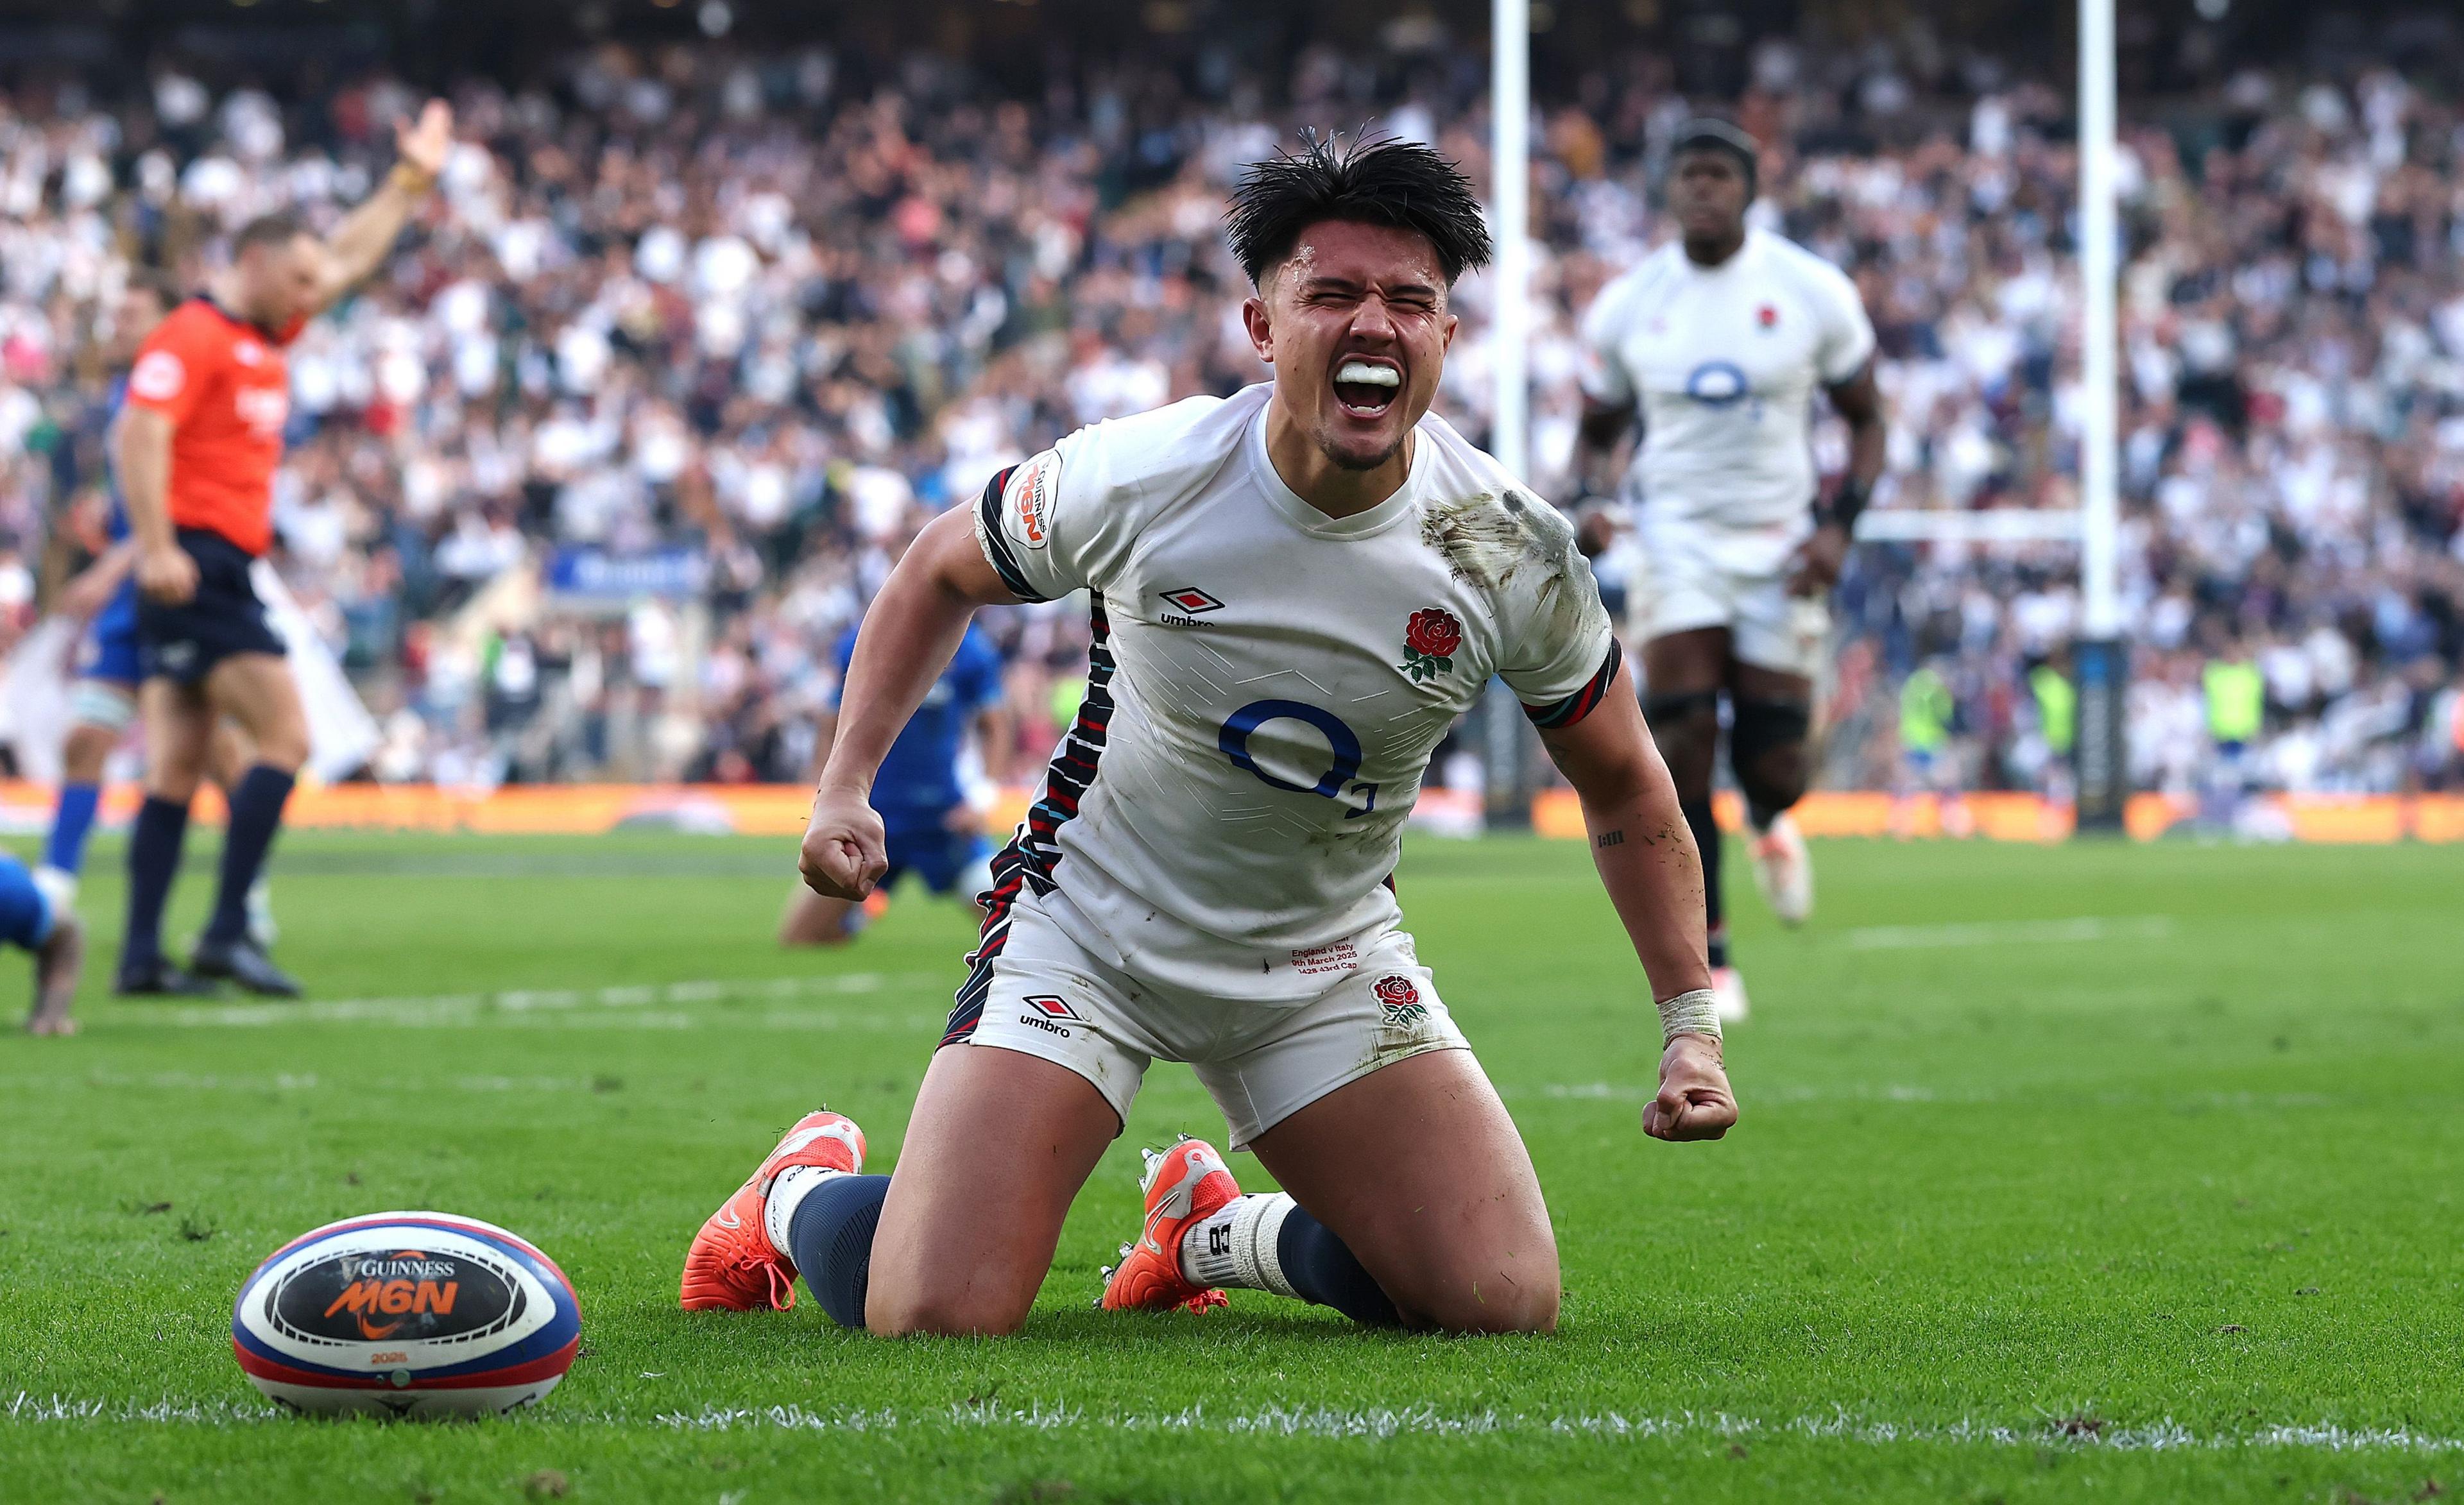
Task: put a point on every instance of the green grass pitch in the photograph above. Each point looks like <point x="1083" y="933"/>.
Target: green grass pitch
<point x="2096" y="1172"/>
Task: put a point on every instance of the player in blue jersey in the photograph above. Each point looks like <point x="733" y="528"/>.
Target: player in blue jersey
<point x="104" y="701"/>
<point x="54" y="939"/>
<point x="932" y="832"/>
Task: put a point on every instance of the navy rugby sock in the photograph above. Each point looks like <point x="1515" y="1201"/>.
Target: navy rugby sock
<point x="255" y="814"/>
<point x="1323" y="1269"/>
<point x="830" y="1240"/>
<point x="153" y="862"/>
<point x="1230" y="1246"/>
<point x="1700" y="820"/>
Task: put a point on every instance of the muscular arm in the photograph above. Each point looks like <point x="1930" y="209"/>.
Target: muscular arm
<point x="360" y="243"/>
<point x="143" y="451"/>
<point x="1639" y="842"/>
<point x="91" y="589"/>
<point x="1818" y="561"/>
<point x="1595" y="445"/>
<point x="906" y="640"/>
<point x="1859" y="402"/>
<point x="1654" y="875"/>
<point x="996" y="736"/>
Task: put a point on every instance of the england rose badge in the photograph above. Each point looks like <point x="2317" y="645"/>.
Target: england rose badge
<point x="1429" y="642"/>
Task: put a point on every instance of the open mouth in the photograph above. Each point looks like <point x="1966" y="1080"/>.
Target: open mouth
<point x="1367" y="386"/>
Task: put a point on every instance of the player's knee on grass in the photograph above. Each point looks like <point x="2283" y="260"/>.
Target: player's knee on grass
<point x="1767" y="748"/>
<point x="1687" y="726"/>
<point x="946" y="1303"/>
<point x="813" y="919"/>
<point x="1517" y="1294"/>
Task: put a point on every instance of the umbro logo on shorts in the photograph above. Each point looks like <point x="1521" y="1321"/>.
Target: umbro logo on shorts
<point x="1045" y="1012"/>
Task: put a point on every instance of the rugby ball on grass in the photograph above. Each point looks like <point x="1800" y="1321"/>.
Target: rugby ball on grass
<point x="406" y="1314"/>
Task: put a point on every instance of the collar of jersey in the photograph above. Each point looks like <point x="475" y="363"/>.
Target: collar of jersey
<point x="1297" y="510"/>
<point x="1736" y="261"/>
<point x="230" y="317"/>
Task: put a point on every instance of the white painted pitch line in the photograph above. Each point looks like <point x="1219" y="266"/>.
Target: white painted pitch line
<point x="1280" y="1421"/>
<point x="2012" y="932"/>
<point x="568" y="1005"/>
<point x="1427" y="1421"/>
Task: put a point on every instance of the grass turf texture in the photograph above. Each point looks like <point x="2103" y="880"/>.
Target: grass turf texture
<point x="2007" y="1209"/>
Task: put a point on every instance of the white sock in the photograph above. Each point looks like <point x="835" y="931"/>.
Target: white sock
<point x="787" y="1193"/>
<point x="1239" y="1245"/>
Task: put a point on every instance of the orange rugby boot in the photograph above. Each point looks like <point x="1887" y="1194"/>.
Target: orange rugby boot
<point x="733" y="1266"/>
<point x="1183" y="1185"/>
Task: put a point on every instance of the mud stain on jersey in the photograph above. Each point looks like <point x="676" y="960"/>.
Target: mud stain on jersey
<point x="1517" y="542"/>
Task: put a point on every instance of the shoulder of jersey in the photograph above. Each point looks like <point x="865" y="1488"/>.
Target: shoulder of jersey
<point x="193" y="316"/>
<point x="1635" y="280"/>
<point x="1459" y="454"/>
<point x="1162" y="453"/>
<point x="1802" y="260"/>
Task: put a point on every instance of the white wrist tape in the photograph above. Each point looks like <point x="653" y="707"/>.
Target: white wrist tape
<point x="1690" y="1013"/>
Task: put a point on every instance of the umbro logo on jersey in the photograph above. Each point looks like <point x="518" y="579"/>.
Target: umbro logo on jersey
<point x="1189" y="604"/>
<point x="1191" y="599"/>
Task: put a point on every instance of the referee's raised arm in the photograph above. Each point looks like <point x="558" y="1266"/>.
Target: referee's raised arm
<point x="359" y="243"/>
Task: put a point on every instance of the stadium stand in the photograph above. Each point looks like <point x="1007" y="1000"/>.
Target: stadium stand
<point x="694" y="336"/>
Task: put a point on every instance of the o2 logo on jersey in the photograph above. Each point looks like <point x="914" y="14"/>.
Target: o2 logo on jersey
<point x="263" y="408"/>
<point x="1340" y="782"/>
<point x="1717" y="384"/>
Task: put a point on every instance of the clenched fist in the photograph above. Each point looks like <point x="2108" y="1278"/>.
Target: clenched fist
<point x="845" y="852"/>
<point x="1694" y="1101"/>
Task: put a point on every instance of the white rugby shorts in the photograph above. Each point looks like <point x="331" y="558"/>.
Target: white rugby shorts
<point x="1044" y="994"/>
<point x="1699" y="574"/>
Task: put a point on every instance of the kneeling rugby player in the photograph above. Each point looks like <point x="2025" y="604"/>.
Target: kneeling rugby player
<point x="1297" y="592"/>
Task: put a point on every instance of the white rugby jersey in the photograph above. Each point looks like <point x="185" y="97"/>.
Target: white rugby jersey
<point x="1721" y="363"/>
<point x="1266" y="685"/>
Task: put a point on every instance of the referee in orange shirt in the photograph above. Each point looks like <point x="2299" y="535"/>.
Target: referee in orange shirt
<point x="197" y="448"/>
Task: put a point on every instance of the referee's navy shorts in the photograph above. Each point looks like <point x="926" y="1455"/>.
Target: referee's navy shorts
<point x="224" y="618"/>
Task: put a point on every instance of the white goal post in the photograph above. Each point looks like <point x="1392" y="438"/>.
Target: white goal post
<point x="2098" y="662"/>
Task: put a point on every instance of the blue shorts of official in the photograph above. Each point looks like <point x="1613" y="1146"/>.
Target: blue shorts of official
<point x="110" y="649"/>
<point x="941" y="856"/>
<point x="223" y="620"/>
<point x="24" y="914"/>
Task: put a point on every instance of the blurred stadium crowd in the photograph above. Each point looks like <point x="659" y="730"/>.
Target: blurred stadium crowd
<point x="592" y="480"/>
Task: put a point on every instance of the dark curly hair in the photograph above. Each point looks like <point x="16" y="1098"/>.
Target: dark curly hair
<point x="1381" y="182"/>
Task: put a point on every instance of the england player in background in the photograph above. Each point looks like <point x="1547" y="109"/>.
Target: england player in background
<point x="104" y="700"/>
<point x="1297" y="592"/>
<point x="1716" y="343"/>
<point x="929" y="827"/>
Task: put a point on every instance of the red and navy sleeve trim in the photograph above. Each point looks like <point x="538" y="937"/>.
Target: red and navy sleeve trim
<point x="988" y="510"/>
<point x="1582" y="701"/>
<point x="1029" y="862"/>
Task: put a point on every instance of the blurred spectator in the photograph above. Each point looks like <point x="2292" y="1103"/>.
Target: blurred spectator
<point x="588" y="481"/>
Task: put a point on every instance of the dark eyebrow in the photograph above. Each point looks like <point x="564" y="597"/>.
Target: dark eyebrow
<point x="1317" y="282"/>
